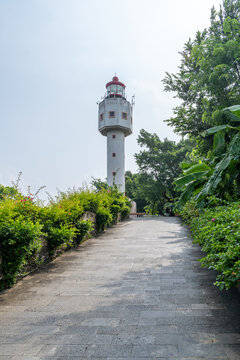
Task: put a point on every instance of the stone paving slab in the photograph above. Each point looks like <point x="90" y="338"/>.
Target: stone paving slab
<point x="136" y="292"/>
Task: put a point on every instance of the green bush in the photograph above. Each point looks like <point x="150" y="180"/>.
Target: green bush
<point x="79" y="201"/>
<point x="217" y="230"/>
<point x="19" y="239"/>
<point x="25" y="222"/>
<point x="58" y="236"/>
<point x="83" y="227"/>
<point x="189" y="211"/>
<point x="125" y="211"/>
<point x="114" y="210"/>
<point x="103" y="218"/>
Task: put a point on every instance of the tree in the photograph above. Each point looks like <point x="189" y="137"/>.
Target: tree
<point x="158" y="163"/>
<point x="7" y="192"/>
<point x="134" y="190"/>
<point x="99" y="184"/>
<point x="209" y="75"/>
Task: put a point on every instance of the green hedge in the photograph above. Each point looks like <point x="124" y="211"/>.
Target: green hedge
<point x="25" y="223"/>
<point x="217" y="230"/>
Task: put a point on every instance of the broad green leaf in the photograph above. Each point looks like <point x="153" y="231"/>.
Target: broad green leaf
<point x="185" y="196"/>
<point x="235" y="109"/>
<point x="187" y="179"/>
<point x="218" y="142"/>
<point x="197" y="168"/>
<point x="221" y="166"/>
<point x="185" y="165"/>
<point x="215" y="178"/>
<point x="234" y="119"/>
<point x="234" y="146"/>
<point x="197" y="190"/>
<point x="215" y="129"/>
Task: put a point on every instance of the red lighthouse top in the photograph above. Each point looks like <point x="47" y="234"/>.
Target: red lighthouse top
<point x="115" y="81"/>
<point x="115" y="88"/>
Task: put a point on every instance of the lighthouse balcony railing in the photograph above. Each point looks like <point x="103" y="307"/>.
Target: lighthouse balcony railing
<point x="114" y="95"/>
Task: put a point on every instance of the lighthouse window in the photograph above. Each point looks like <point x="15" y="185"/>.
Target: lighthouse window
<point x="111" y="114"/>
<point x="124" y="116"/>
<point x="101" y="117"/>
<point x="113" y="154"/>
<point x="113" y="136"/>
<point x="113" y="89"/>
<point x="119" y="89"/>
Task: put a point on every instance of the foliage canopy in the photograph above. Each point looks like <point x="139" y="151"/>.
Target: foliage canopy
<point x="209" y="74"/>
<point x="158" y="164"/>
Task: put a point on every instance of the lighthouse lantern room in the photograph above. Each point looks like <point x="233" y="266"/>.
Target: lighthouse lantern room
<point x="115" y="122"/>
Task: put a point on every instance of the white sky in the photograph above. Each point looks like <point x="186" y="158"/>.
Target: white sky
<point x="56" y="57"/>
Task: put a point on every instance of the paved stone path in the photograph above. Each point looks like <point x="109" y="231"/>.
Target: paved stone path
<point x="136" y="292"/>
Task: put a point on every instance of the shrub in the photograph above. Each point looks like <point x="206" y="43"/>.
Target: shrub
<point x="114" y="210"/>
<point x="125" y="211"/>
<point x="217" y="230"/>
<point x="19" y="239"/>
<point x="79" y="199"/>
<point x="189" y="211"/>
<point x="58" y="236"/>
<point x="103" y="218"/>
<point x="83" y="227"/>
<point x="25" y="222"/>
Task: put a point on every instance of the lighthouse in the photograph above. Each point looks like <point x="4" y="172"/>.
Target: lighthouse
<point x="115" y="122"/>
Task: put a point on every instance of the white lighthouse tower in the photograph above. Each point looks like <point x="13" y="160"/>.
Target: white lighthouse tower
<point x="115" y="122"/>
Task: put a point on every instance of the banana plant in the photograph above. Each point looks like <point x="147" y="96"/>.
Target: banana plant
<point x="200" y="180"/>
<point x="191" y="183"/>
<point x="227" y="169"/>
